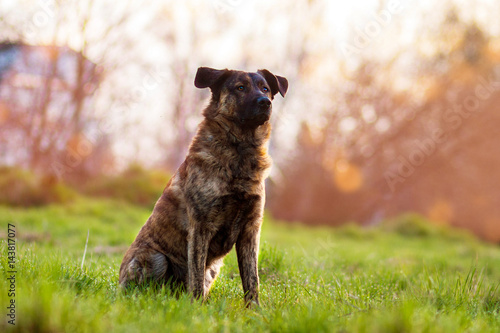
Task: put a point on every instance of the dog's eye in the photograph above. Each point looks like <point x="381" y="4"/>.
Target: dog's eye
<point x="241" y="88"/>
<point x="265" y="89"/>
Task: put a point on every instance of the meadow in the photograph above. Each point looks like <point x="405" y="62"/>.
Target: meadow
<point x="403" y="275"/>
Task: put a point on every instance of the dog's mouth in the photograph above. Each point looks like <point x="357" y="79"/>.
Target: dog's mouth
<point x="259" y="119"/>
<point x="265" y="115"/>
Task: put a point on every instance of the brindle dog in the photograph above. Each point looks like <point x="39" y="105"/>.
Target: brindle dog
<point x="216" y="197"/>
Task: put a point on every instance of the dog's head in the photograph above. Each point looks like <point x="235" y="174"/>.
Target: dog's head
<point x="242" y="97"/>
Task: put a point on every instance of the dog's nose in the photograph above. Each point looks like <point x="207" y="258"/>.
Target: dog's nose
<point x="263" y="102"/>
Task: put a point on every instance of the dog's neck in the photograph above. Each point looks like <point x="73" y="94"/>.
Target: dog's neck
<point x="256" y="137"/>
<point x="233" y="149"/>
<point x="226" y="128"/>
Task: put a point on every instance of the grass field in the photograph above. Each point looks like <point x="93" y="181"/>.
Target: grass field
<point x="402" y="276"/>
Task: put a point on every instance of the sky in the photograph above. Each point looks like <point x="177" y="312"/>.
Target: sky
<point x="351" y="29"/>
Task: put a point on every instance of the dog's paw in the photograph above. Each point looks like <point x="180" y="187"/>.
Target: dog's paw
<point x="252" y="304"/>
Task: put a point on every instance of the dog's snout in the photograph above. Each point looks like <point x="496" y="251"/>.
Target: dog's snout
<point x="263" y="102"/>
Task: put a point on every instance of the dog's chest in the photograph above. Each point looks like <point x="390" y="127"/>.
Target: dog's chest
<point x="223" y="240"/>
<point x="234" y="215"/>
<point x="230" y="174"/>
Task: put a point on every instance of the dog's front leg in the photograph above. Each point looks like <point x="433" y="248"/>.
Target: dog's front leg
<point x="247" y="250"/>
<point x="197" y="257"/>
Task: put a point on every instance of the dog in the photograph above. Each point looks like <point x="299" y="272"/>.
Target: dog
<point x="215" y="200"/>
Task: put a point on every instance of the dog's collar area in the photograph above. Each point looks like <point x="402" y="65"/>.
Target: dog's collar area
<point x="226" y="129"/>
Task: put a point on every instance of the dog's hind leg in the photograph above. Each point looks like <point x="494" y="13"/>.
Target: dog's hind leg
<point x="145" y="266"/>
<point x="211" y="273"/>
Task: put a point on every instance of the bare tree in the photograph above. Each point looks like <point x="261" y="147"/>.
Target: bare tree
<point x="55" y="117"/>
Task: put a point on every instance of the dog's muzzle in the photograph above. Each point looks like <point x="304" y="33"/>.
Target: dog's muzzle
<point x="258" y="113"/>
<point x="264" y="109"/>
<point x="263" y="102"/>
<point x="263" y="113"/>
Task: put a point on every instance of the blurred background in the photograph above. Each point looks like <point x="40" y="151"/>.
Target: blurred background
<point x="393" y="106"/>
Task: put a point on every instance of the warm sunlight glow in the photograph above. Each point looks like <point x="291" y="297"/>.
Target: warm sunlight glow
<point x="4" y="113"/>
<point x="441" y="212"/>
<point x="347" y="176"/>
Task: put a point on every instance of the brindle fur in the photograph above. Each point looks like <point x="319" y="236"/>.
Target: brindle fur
<point x="216" y="198"/>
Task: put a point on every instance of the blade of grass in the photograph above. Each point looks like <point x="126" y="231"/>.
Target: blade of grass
<point x="85" y="251"/>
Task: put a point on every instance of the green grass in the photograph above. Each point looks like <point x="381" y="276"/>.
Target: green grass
<point x="403" y="276"/>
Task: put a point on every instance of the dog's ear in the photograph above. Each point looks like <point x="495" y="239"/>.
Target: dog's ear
<point x="207" y="77"/>
<point x="277" y="83"/>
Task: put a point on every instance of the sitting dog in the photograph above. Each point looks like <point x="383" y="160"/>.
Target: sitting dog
<point x="216" y="198"/>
